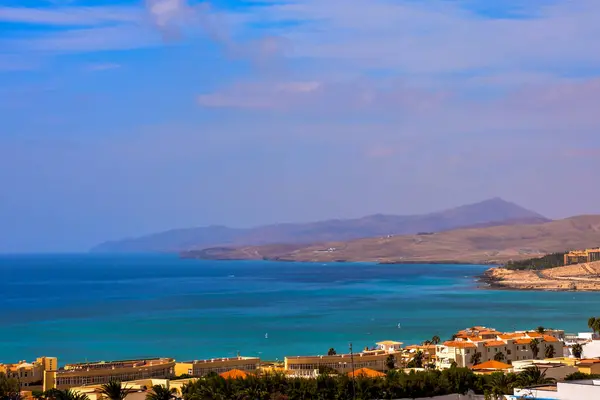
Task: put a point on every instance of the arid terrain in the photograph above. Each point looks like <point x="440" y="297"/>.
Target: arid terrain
<point x="492" y="212"/>
<point x="488" y="245"/>
<point x="582" y="277"/>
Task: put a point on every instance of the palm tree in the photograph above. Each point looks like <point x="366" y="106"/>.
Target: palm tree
<point x="549" y="352"/>
<point x="577" y="350"/>
<point x="331" y="352"/>
<point x="436" y="340"/>
<point x="533" y="376"/>
<point x="541" y="329"/>
<point x="475" y="358"/>
<point x="534" y="345"/>
<point x="418" y="359"/>
<point x="592" y="323"/>
<point x="500" y="384"/>
<point x="499" y="356"/>
<point x="160" y="392"/>
<point x="390" y="362"/>
<point x="67" y="394"/>
<point x="596" y="327"/>
<point x="114" y="391"/>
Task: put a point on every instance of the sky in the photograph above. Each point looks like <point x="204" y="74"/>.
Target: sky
<point x="121" y="118"/>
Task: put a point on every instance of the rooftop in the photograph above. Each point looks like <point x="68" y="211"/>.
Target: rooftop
<point x="459" y="344"/>
<point x="388" y="343"/>
<point x="235" y="374"/>
<point x="220" y="359"/>
<point x="491" y="365"/>
<point x="367" y="372"/>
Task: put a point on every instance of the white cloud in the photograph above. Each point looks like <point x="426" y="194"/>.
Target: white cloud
<point x="435" y="36"/>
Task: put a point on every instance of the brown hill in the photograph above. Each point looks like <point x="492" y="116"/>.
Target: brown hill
<point x="485" y="213"/>
<point x="475" y="245"/>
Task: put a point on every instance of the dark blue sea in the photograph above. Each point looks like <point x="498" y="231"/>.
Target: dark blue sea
<point x="101" y="307"/>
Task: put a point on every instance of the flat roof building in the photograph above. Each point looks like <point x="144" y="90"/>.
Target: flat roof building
<point x="582" y="256"/>
<point x="83" y="374"/>
<point x="309" y="366"/>
<point x="198" y="368"/>
<point x="575" y="390"/>
<point x="30" y="375"/>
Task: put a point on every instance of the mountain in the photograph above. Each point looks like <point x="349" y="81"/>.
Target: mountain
<point x="490" y="212"/>
<point x="495" y="244"/>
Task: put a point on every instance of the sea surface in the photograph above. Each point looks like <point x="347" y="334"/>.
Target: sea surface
<point x="103" y="307"/>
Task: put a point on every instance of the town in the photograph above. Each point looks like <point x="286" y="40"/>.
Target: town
<point x="566" y="366"/>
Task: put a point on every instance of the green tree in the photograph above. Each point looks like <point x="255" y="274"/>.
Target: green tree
<point x="10" y="388"/>
<point x="577" y="350"/>
<point x="390" y="362"/>
<point x="67" y="394"/>
<point x="436" y="340"/>
<point x="331" y="352"/>
<point x="418" y="359"/>
<point x="549" y="352"/>
<point x="475" y="358"/>
<point x="113" y="390"/>
<point x="540" y="329"/>
<point x="160" y="392"/>
<point x="500" y="384"/>
<point x="534" y="345"/>
<point x="499" y="356"/>
<point x="592" y="324"/>
<point x="533" y="376"/>
<point x="580" y="376"/>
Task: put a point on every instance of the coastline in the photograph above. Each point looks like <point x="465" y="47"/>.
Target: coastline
<point x="573" y="278"/>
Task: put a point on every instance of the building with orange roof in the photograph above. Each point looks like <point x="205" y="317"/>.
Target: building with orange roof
<point x="366" y="373"/>
<point x="480" y="344"/>
<point x="491" y="366"/>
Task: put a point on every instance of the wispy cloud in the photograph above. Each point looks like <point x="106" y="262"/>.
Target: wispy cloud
<point x="70" y="15"/>
<point x="103" y="66"/>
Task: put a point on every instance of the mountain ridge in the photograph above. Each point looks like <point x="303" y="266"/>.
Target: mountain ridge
<point x="487" y="245"/>
<point x="492" y="211"/>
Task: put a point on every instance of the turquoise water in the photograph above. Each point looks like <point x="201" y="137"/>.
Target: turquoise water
<point x="100" y="307"/>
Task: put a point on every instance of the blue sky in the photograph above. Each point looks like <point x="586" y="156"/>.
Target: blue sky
<point x="120" y="118"/>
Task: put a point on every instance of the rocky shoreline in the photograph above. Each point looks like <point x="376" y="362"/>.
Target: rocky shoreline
<point x="574" y="278"/>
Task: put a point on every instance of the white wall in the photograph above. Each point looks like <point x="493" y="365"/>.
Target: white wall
<point x="566" y="391"/>
<point x="591" y="349"/>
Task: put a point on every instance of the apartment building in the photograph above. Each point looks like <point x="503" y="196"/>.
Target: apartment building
<point x="582" y="256"/>
<point x="199" y="368"/>
<point x="376" y="359"/>
<point x="31" y="375"/>
<point x="480" y="344"/>
<point x="73" y="375"/>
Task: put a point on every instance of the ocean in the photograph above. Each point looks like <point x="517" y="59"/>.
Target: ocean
<point x="106" y="307"/>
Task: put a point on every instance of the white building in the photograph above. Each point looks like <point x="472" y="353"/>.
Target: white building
<point x="389" y="346"/>
<point x="576" y="390"/>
